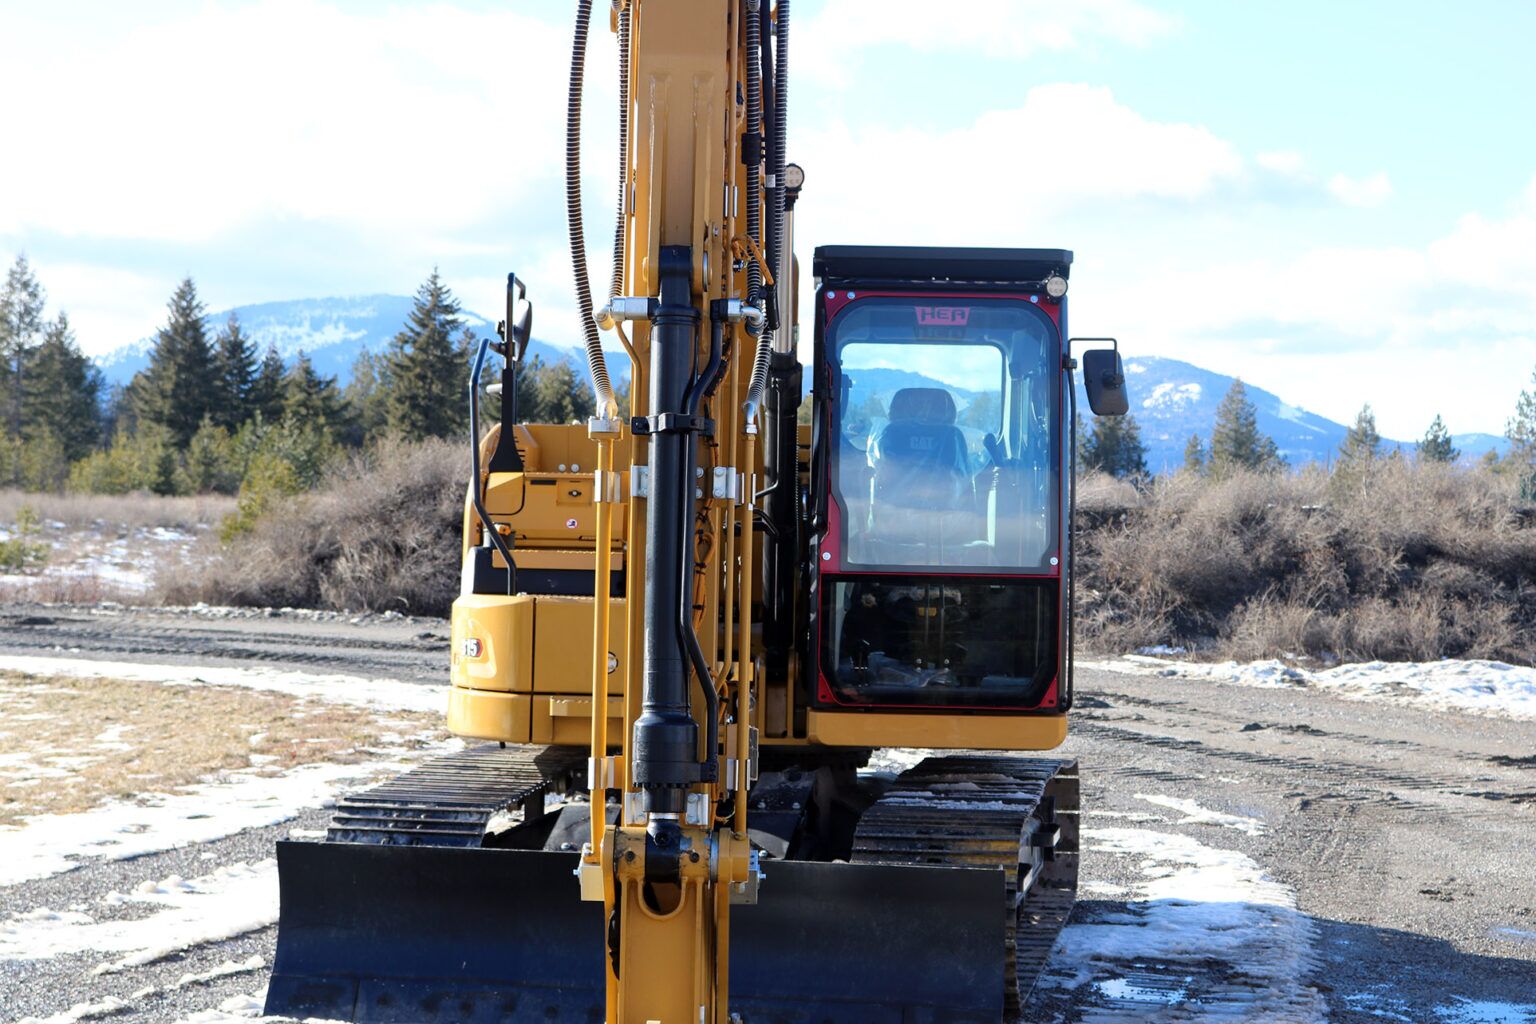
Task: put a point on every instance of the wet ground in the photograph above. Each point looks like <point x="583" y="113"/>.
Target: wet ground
<point x="1251" y="854"/>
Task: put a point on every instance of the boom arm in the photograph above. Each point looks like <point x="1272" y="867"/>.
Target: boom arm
<point x="697" y="279"/>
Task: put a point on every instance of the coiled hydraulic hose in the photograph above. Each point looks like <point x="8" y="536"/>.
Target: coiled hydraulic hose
<point x="780" y="260"/>
<point x="759" y="379"/>
<point x="606" y="406"/>
<point x="616" y="286"/>
<point x="776" y="146"/>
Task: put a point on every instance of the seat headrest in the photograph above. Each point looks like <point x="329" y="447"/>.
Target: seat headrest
<point x="924" y="405"/>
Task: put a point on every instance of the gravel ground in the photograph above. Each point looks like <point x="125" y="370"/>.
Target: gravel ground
<point x="1402" y="836"/>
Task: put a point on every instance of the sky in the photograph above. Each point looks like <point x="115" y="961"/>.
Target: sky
<point x="1336" y="202"/>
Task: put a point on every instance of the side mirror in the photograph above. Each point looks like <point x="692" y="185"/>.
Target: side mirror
<point x="1104" y="380"/>
<point x="517" y="328"/>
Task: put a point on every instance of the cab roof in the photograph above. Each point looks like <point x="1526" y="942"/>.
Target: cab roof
<point x="937" y="265"/>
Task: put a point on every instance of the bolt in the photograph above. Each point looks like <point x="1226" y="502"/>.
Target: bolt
<point x="693" y="855"/>
<point x="629" y="855"/>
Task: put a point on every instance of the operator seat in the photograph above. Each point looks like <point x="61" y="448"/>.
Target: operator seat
<point x="919" y="459"/>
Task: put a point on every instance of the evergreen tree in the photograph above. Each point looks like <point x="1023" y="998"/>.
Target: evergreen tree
<point x="1236" y="442"/>
<point x="1114" y="447"/>
<point x="1521" y="429"/>
<point x="1362" y="444"/>
<point x="1194" y="455"/>
<point x="1436" y="445"/>
<point x="562" y="396"/>
<point x="210" y="461"/>
<point x="427" y="365"/>
<point x="234" y="375"/>
<point x="63" y="393"/>
<point x="177" y="389"/>
<point x="312" y="400"/>
<point x="266" y="394"/>
<point x="21" y="323"/>
<point x="365" y="395"/>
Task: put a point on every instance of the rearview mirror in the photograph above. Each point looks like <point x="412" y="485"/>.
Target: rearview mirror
<point x="1104" y="380"/>
<point x="518" y="326"/>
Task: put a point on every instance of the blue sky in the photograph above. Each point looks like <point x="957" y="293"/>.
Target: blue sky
<point x="1336" y="201"/>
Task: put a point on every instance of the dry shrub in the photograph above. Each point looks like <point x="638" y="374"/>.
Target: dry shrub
<point x="118" y="510"/>
<point x="381" y="533"/>
<point x="1396" y="561"/>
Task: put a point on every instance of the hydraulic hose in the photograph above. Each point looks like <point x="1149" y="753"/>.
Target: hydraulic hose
<point x="606" y="406"/>
<point x="616" y="286"/>
<point x="702" y="387"/>
<point x="779" y="259"/>
<point x="759" y="379"/>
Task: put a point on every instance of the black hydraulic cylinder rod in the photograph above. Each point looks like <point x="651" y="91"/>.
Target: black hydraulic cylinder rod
<point x="666" y="736"/>
<point x="781" y="507"/>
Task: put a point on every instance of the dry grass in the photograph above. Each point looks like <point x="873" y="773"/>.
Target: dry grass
<point x="67" y="745"/>
<point x="119" y="510"/>
<point x="1406" y="562"/>
<point x="58" y="589"/>
<point x="382" y="533"/>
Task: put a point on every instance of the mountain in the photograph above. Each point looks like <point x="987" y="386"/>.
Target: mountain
<point x="331" y="331"/>
<point x="1172" y="400"/>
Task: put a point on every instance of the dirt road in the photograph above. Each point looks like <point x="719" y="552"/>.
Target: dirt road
<point x="1252" y="854"/>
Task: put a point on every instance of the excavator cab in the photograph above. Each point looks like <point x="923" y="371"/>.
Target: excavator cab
<point x="941" y="483"/>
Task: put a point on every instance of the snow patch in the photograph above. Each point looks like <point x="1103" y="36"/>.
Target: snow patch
<point x="233" y="900"/>
<point x="1193" y="905"/>
<point x="80" y="1011"/>
<point x="1482" y="687"/>
<point x="358" y="691"/>
<point x="1172" y="396"/>
<point x="241" y="1009"/>
<point x="52" y="844"/>
<point x="1479" y="1011"/>
<point x="1194" y="814"/>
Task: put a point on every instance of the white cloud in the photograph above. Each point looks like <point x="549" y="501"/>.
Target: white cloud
<point x="184" y="128"/>
<point x="1448" y="326"/>
<point x="1282" y="161"/>
<point x="834" y="38"/>
<point x="107" y="306"/>
<point x="987" y="182"/>
<point x="1371" y="191"/>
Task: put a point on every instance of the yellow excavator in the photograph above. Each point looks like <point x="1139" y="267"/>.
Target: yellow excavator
<point x="747" y="676"/>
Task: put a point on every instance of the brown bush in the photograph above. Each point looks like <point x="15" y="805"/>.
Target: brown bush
<point x="1396" y="561"/>
<point x="381" y="533"/>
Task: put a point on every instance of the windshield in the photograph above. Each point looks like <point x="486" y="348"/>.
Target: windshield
<point x="946" y="450"/>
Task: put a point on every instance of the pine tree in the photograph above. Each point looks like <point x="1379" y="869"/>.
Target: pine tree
<point x="63" y="392"/>
<point x="21" y="323"/>
<point x="1114" y="447"/>
<point x="427" y="367"/>
<point x="1362" y="444"/>
<point x="364" y="397"/>
<point x="1194" y="455"/>
<point x="562" y="396"/>
<point x="177" y="389"/>
<point x="1521" y="429"/>
<point x="1436" y="445"/>
<point x="234" y="374"/>
<point x="312" y="400"/>
<point x="1236" y="443"/>
<point x="266" y="394"/>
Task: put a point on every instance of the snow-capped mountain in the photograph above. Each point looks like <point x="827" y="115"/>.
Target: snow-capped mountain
<point x="330" y="331"/>
<point x="1170" y="399"/>
<point x="1173" y="400"/>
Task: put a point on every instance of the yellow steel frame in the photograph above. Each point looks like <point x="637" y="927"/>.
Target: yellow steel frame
<point x="518" y="674"/>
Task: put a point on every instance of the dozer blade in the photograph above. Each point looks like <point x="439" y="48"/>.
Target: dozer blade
<point x="434" y="934"/>
<point x="428" y="935"/>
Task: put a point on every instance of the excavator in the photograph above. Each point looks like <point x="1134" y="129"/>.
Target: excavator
<point x="753" y="682"/>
